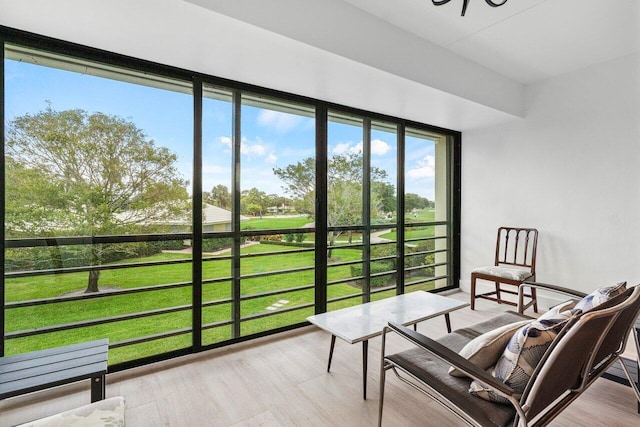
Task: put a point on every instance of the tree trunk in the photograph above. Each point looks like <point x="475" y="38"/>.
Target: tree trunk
<point x="92" y="285"/>
<point x="332" y="240"/>
<point x="94" y="275"/>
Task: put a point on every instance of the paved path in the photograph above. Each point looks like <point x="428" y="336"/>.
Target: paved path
<point x="375" y="236"/>
<point x="221" y="251"/>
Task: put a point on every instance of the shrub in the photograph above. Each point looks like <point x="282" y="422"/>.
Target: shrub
<point x="271" y="238"/>
<point x="416" y="260"/>
<point x="172" y="245"/>
<point x="380" y="251"/>
<point x="212" y="245"/>
<point x="44" y="258"/>
<point x="375" y="267"/>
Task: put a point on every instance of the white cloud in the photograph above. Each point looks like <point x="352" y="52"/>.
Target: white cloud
<point x="281" y="122"/>
<point x="341" y="148"/>
<point x="271" y="158"/>
<point x="425" y="168"/>
<point x="379" y="147"/>
<point x="252" y="149"/>
<point x="225" y="140"/>
<point x="357" y="149"/>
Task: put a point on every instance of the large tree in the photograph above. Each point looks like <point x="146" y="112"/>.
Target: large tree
<point x="385" y="196"/>
<point x="344" y="188"/>
<point x="220" y="196"/>
<point x="413" y="201"/>
<point x="301" y="184"/>
<point x="75" y="173"/>
<point x="253" y="202"/>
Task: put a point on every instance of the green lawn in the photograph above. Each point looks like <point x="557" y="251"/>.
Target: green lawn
<point x="30" y="288"/>
<point x="422" y="215"/>
<point x="270" y="223"/>
<point x="214" y="267"/>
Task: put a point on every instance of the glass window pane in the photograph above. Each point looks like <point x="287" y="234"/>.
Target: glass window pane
<point x="277" y="164"/>
<point x="344" y="208"/>
<point x="277" y="175"/>
<point x="384" y="155"/>
<point x="217" y="150"/>
<point x="426" y="201"/>
<point x="344" y="171"/>
<point x="95" y="150"/>
<point x="217" y="211"/>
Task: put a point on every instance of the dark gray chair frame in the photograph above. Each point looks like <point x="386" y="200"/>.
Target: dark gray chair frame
<point x="586" y="347"/>
<point x="507" y="255"/>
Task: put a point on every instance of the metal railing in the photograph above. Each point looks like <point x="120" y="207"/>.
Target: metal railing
<point x="146" y="290"/>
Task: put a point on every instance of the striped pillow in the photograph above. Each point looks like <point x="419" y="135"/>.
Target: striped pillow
<point x="522" y="354"/>
<point x="599" y="296"/>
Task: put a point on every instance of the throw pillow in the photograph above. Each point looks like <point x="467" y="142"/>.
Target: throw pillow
<point x="563" y="306"/>
<point x="599" y="296"/>
<point x="522" y="354"/>
<point x="484" y="350"/>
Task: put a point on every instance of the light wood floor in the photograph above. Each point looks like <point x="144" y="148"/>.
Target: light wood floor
<point x="282" y="381"/>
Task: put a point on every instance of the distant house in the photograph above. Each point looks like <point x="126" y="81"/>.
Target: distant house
<point x="280" y="209"/>
<point x="214" y="218"/>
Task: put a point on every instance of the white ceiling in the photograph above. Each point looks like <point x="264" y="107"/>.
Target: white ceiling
<point x="525" y="40"/>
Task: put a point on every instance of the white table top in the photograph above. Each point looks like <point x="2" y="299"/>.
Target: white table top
<point x="364" y="321"/>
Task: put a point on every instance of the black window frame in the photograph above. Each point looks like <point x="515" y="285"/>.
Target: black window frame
<point x="322" y="108"/>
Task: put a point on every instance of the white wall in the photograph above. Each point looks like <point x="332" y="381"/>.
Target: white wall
<point x="571" y="168"/>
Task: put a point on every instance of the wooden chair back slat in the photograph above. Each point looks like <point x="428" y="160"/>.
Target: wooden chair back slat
<point x="517" y="250"/>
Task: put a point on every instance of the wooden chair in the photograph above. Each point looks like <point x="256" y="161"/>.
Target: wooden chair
<point x="588" y="344"/>
<point x="515" y="262"/>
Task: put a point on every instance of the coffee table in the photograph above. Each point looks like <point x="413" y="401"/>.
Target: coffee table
<point x="365" y="321"/>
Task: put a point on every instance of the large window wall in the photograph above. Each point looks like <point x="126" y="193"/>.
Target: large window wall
<point x="173" y="212"/>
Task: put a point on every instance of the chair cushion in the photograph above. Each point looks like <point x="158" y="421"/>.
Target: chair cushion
<point x="599" y="296"/>
<point x="504" y="272"/>
<point x="523" y="353"/>
<point x="484" y="350"/>
<point x="433" y="372"/>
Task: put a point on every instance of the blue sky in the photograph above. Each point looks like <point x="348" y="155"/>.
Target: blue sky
<point x="269" y="138"/>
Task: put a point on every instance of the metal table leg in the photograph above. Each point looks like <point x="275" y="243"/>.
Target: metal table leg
<point x="332" y="346"/>
<point x="448" y="320"/>
<point x="365" y="357"/>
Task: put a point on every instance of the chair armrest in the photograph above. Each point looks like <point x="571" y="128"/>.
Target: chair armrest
<point x="546" y="287"/>
<point x="451" y="357"/>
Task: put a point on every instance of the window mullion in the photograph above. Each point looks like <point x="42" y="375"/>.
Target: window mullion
<point x="235" y="191"/>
